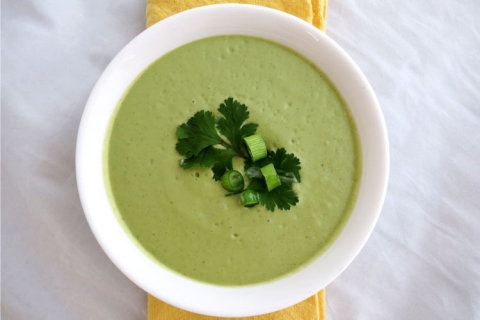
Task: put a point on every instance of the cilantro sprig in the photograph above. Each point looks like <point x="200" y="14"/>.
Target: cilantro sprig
<point x="200" y="143"/>
<point x="209" y="142"/>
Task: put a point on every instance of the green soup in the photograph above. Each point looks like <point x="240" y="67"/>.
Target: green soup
<point x="181" y="218"/>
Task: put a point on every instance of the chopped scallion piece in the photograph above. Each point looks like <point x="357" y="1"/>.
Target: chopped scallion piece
<point x="271" y="177"/>
<point x="256" y="147"/>
<point x="233" y="181"/>
<point x="249" y="198"/>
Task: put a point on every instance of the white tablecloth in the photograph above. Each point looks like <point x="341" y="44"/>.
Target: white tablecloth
<point x="422" y="59"/>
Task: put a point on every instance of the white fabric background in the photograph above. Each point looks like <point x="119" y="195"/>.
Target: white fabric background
<point x="422" y="59"/>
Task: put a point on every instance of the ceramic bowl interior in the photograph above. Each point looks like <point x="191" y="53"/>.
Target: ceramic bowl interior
<point x="223" y="20"/>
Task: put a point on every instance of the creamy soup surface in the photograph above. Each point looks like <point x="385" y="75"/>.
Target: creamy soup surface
<point x="181" y="218"/>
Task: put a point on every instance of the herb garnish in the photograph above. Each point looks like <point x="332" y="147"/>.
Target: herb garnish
<point x="201" y="141"/>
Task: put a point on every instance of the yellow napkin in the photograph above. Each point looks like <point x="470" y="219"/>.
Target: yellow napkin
<point x="311" y="309"/>
<point x="312" y="11"/>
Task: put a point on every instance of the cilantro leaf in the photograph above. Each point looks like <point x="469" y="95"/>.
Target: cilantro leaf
<point x="223" y="164"/>
<point x="209" y="157"/>
<point x="282" y="197"/>
<point x="286" y="164"/>
<point x="220" y="160"/>
<point x="198" y="133"/>
<point x="218" y="171"/>
<point x="231" y="124"/>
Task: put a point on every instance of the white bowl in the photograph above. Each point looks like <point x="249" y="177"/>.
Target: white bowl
<point x="186" y="27"/>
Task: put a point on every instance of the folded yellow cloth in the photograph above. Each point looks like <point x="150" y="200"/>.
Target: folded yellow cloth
<point x="312" y="11"/>
<point x="311" y="309"/>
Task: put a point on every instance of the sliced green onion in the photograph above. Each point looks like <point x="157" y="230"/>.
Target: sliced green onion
<point x="233" y="181"/>
<point x="256" y="147"/>
<point x="249" y="198"/>
<point x="271" y="177"/>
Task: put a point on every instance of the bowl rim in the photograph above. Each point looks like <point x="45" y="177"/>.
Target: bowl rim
<point x="204" y="22"/>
